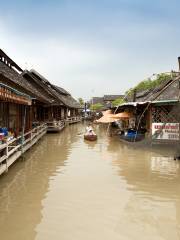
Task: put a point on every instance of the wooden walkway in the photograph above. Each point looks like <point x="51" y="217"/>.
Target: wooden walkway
<point x="72" y="120"/>
<point x="13" y="149"/>
<point x="55" y="126"/>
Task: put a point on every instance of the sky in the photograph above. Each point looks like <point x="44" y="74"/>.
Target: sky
<point x="92" y="47"/>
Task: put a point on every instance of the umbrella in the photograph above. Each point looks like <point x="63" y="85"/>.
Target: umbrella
<point x="121" y="115"/>
<point x="107" y="119"/>
<point x="107" y="112"/>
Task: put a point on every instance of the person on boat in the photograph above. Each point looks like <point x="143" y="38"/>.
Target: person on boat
<point x="89" y="130"/>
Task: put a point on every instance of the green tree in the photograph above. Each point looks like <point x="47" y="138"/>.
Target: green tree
<point x="148" y="84"/>
<point x="81" y="101"/>
<point x="118" y="102"/>
<point x="97" y="106"/>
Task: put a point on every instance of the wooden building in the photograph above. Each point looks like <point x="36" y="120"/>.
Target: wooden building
<point x="105" y="101"/>
<point x="10" y="76"/>
<point x="157" y="110"/>
<point x="17" y="134"/>
<point x="29" y="105"/>
<point x="61" y="107"/>
<point x="165" y="113"/>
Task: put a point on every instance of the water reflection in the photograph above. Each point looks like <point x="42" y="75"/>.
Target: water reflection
<point x="27" y="184"/>
<point x="153" y="179"/>
<point x="146" y="170"/>
<point x="68" y="188"/>
<point x="90" y="144"/>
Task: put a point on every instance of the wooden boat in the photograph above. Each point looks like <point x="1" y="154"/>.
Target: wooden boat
<point x="90" y="137"/>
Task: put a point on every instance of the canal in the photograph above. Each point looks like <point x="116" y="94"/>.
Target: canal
<point x="68" y="189"/>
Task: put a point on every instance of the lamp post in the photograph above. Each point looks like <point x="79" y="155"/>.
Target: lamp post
<point x="85" y="109"/>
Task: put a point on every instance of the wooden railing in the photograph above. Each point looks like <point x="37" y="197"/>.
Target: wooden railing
<point x="13" y="149"/>
<point x="73" y="119"/>
<point x="55" y="125"/>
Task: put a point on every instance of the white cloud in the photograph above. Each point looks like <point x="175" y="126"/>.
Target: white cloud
<point x="110" y="62"/>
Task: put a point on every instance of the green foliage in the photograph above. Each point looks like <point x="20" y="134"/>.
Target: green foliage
<point x="81" y="101"/>
<point x="149" y="84"/>
<point x="118" y="102"/>
<point x="97" y="106"/>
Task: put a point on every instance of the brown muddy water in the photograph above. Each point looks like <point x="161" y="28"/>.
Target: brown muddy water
<point x="69" y="189"/>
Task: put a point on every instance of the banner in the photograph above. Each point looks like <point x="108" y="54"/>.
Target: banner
<point x="165" y="131"/>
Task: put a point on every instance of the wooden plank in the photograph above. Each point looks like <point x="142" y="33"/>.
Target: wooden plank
<point x="3" y="158"/>
<point x="13" y="150"/>
<point x="2" y="146"/>
<point x="16" y="152"/>
<point x="13" y="158"/>
<point x="2" y="168"/>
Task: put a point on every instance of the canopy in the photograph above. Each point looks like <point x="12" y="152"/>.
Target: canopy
<point x="122" y="115"/>
<point x="107" y="112"/>
<point x="133" y="104"/>
<point x="107" y="117"/>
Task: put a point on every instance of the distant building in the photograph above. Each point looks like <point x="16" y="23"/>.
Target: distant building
<point x="96" y="100"/>
<point x="111" y="98"/>
<point x="106" y="100"/>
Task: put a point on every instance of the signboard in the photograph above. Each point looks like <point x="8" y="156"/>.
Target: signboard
<point x="165" y="131"/>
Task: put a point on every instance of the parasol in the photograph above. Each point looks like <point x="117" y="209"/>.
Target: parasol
<point x="121" y="115"/>
<point x="107" y="117"/>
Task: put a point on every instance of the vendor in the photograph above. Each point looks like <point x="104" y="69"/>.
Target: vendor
<point x="89" y="130"/>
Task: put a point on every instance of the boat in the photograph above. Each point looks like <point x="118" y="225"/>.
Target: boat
<point x="132" y="135"/>
<point x="90" y="137"/>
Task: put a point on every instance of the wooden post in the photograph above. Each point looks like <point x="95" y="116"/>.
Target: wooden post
<point x="6" y="156"/>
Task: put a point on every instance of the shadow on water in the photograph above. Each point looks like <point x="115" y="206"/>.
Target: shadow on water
<point x="153" y="178"/>
<point x="27" y="183"/>
<point x="137" y="162"/>
<point x="90" y="144"/>
<point x="103" y="186"/>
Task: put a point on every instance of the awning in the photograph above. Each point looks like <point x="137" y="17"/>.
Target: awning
<point x="165" y="102"/>
<point x="107" y="117"/>
<point x="134" y="104"/>
<point x="107" y="113"/>
<point x="122" y="115"/>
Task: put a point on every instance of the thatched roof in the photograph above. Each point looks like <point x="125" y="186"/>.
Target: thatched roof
<point x="34" y="84"/>
<point x="47" y="87"/>
<point x="10" y="74"/>
<point x="170" y="91"/>
<point x="67" y="99"/>
<point x="149" y="94"/>
<point x="8" y="61"/>
<point x="57" y="92"/>
<point x="167" y="91"/>
<point x="13" y="78"/>
<point x="42" y="88"/>
<point x="63" y="91"/>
